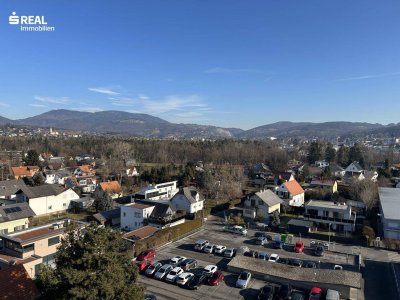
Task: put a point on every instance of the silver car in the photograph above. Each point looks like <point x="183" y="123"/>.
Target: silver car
<point x="243" y="280"/>
<point x="163" y="271"/>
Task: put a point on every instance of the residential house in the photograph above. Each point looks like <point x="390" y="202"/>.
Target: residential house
<point x="141" y="233"/>
<point x="24" y="171"/>
<point x="188" y="199"/>
<point x="110" y="218"/>
<point x="84" y="170"/>
<point x="56" y="176"/>
<point x="113" y="188"/>
<point x="47" y="199"/>
<point x="354" y="169"/>
<point x="9" y="188"/>
<point x="131" y="171"/>
<point x="291" y="192"/>
<point x="327" y="185"/>
<point x="15" y="217"/>
<point x="283" y="177"/>
<point x="389" y="199"/>
<point x="33" y="247"/>
<point x="321" y="164"/>
<point x="15" y="283"/>
<point x="330" y="215"/>
<point x="134" y="214"/>
<point x="336" y="170"/>
<point x="78" y="205"/>
<point x="261" y="205"/>
<point x="82" y="157"/>
<point x="159" y="191"/>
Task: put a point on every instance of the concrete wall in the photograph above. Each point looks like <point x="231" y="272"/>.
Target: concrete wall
<point x="11" y="224"/>
<point x="53" y="204"/>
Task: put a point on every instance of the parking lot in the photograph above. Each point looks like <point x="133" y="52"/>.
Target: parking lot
<point x="227" y="289"/>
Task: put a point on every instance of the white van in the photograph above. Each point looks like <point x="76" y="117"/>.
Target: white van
<point x="200" y="245"/>
<point x="332" y="295"/>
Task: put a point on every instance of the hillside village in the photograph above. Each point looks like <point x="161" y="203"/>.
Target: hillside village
<point x="43" y="194"/>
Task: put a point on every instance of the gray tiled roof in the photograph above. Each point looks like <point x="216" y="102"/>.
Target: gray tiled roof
<point x="10" y="187"/>
<point x="15" y="212"/>
<point x="269" y="197"/>
<point x="390" y="202"/>
<point x="43" y="190"/>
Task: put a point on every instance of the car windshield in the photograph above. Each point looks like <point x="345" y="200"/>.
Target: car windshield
<point x="172" y="273"/>
<point x="243" y="276"/>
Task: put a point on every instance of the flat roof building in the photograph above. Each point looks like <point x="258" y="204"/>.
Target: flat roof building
<point x="390" y="212"/>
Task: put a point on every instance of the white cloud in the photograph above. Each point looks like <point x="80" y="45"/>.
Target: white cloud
<point x="37" y="105"/>
<point x="220" y="70"/>
<point x="56" y="100"/>
<point x="122" y="101"/>
<point x="103" y="90"/>
<point x="363" y="77"/>
<point x="174" y="103"/>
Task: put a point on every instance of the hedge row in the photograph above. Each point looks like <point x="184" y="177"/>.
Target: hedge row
<point x="166" y="235"/>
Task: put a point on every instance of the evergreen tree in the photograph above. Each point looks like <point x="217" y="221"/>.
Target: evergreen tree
<point x="314" y="152"/>
<point x="32" y="158"/>
<point x="342" y="156"/>
<point x="38" y="178"/>
<point x="102" y="200"/>
<point x="91" y="265"/>
<point x="330" y="153"/>
<point x="355" y="154"/>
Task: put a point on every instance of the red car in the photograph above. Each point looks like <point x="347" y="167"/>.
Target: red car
<point x="143" y="264"/>
<point x="299" y="247"/>
<point x="216" y="278"/>
<point x="146" y="255"/>
<point x="315" y="293"/>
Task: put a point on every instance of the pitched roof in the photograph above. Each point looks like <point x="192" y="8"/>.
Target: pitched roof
<point x="323" y="182"/>
<point x="24" y="170"/>
<point x="10" y="187"/>
<point x="15" y="283"/>
<point x="139" y="205"/>
<point x="269" y="197"/>
<point x="15" y="212"/>
<point x="108" y="215"/>
<point x="86" y="169"/>
<point x="111" y="186"/>
<point x="43" y="190"/>
<point x="356" y="165"/>
<point x="141" y="233"/>
<point x="190" y="194"/>
<point x="294" y="187"/>
<point x="335" y="168"/>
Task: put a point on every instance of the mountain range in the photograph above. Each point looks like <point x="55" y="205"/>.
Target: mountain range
<point x="144" y="125"/>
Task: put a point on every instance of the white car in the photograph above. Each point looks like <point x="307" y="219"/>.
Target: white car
<point x="173" y="275"/>
<point x="177" y="260"/>
<point x="243" y="280"/>
<point x="235" y="229"/>
<point x="209" y="248"/>
<point x="230" y="252"/>
<point x="219" y="249"/>
<point x="273" y="258"/>
<point x="210" y="269"/>
<point x="184" y="278"/>
<point x="164" y="270"/>
<point x="338" y="267"/>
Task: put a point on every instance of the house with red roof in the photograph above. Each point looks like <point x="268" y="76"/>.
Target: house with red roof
<point x="15" y="283"/>
<point x="291" y="192"/>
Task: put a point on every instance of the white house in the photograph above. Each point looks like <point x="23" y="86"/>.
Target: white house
<point x="353" y="168"/>
<point x="291" y="192"/>
<point x="322" y="163"/>
<point x="47" y="199"/>
<point x="262" y="204"/>
<point x="132" y="172"/>
<point x="189" y="200"/>
<point x="159" y="191"/>
<point x="133" y="215"/>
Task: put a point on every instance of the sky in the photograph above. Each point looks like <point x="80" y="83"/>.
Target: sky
<point x="227" y="63"/>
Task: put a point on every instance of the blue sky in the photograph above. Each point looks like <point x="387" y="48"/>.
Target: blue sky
<point x="222" y="62"/>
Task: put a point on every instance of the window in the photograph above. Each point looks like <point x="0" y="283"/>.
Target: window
<point x="253" y="202"/>
<point x="29" y="248"/>
<point x="17" y="228"/>
<point x="326" y="213"/>
<point x="5" y="231"/>
<point x="124" y="214"/>
<point x="53" y="241"/>
<point x="64" y="204"/>
<point x="135" y="224"/>
<point x="38" y="268"/>
<point x="138" y="214"/>
<point x="50" y="207"/>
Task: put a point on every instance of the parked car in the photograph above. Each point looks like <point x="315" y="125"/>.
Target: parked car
<point x="278" y="244"/>
<point x="285" y="291"/>
<point x="163" y="271"/>
<point x="173" y="274"/>
<point x="200" y="245"/>
<point x="273" y="258"/>
<point x="176" y="260"/>
<point x="216" y="278"/>
<point x="295" y="262"/>
<point x="143" y="265"/>
<point x="219" y="249"/>
<point x="332" y="295"/>
<point x="235" y="229"/>
<point x="251" y="253"/>
<point x="314" y="244"/>
<point x="188" y="264"/>
<point x="262" y="234"/>
<point x="210" y="269"/>
<point x="209" y="248"/>
<point x="152" y="269"/>
<point x="196" y="281"/>
<point x="263" y="255"/>
<point x="184" y="278"/>
<point x="147" y="254"/>
<point x="315" y="294"/>
<point x="297" y="295"/>
<point x="150" y="297"/>
<point x="242" y="250"/>
<point x="262" y="240"/>
<point x="266" y="292"/>
<point x="319" y="250"/>
<point x="230" y="252"/>
<point x="283" y="260"/>
<point x="338" y="267"/>
<point x="299" y="247"/>
<point x="311" y="265"/>
<point x="243" y="280"/>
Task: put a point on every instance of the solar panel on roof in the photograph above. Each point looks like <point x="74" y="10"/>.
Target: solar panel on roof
<point x="11" y="210"/>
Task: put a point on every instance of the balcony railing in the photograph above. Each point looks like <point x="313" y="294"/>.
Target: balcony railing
<point x="330" y="219"/>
